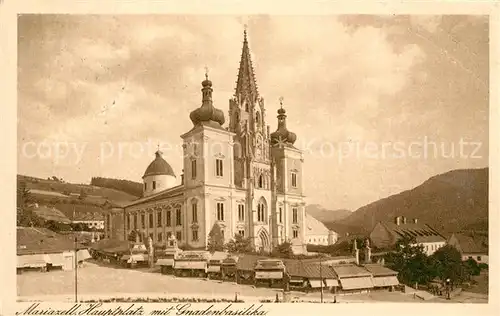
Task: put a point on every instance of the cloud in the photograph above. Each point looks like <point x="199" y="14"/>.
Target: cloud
<point x="430" y="23"/>
<point x="134" y="78"/>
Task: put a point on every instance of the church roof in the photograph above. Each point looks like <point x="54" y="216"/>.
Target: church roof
<point x="167" y="193"/>
<point x="315" y="227"/>
<point x="159" y="166"/>
<point x="246" y="85"/>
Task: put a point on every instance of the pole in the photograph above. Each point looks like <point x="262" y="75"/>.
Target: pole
<point x="321" y="276"/>
<point x="76" y="270"/>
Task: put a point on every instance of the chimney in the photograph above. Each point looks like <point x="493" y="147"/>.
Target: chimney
<point x="404" y="219"/>
<point x="415" y="221"/>
<point x="397" y="220"/>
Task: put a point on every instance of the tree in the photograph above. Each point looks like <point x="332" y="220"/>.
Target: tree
<point x="57" y="226"/>
<point x="215" y="239"/>
<point x="410" y="260"/>
<point x="239" y="244"/>
<point x="24" y="197"/>
<point x="25" y="216"/>
<point x="283" y="250"/>
<point x="471" y="266"/>
<point x="132" y="236"/>
<point x="448" y="265"/>
<point x="82" y="195"/>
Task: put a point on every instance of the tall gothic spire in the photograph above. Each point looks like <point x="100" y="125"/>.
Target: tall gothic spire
<point x="246" y="84"/>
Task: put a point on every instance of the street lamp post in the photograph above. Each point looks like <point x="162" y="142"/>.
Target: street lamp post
<point x="321" y="276"/>
<point x="76" y="270"/>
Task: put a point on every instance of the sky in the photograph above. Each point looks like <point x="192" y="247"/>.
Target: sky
<point x="379" y="103"/>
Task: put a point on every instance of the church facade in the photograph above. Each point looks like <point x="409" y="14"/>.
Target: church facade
<point x="242" y="177"/>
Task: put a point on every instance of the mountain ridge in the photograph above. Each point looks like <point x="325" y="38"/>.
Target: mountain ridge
<point x="451" y="201"/>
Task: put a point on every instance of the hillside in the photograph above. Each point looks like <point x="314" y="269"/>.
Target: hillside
<point x="72" y="199"/>
<point x="453" y="201"/>
<point x="59" y="189"/>
<point x="325" y="215"/>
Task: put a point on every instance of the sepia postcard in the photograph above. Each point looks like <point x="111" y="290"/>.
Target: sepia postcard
<point x="250" y="160"/>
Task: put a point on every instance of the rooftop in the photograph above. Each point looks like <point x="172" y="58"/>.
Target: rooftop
<point x="421" y="232"/>
<point x="379" y="270"/>
<point x="315" y="227"/>
<point x="467" y="244"/>
<point x="350" y="270"/>
<point x="51" y="214"/>
<point x="310" y="270"/>
<point x="33" y="240"/>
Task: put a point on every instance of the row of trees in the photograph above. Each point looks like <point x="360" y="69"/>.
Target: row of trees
<point x="240" y="244"/>
<point x="416" y="267"/>
<point x="127" y="186"/>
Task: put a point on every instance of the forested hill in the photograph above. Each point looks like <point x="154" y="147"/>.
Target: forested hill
<point x="127" y="186"/>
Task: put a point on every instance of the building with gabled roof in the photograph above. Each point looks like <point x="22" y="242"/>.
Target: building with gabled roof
<point x="45" y="249"/>
<point x="317" y="233"/>
<point x="469" y="247"/>
<point x="385" y="235"/>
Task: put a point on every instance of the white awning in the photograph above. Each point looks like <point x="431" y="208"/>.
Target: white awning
<point x="356" y="283"/>
<point x="332" y="282"/>
<point x="315" y="283"/>
<point x="83" y="254"/>
<point x="32" y="261"/>
<point x="56" y="259"/>
<point x="385" y="281"/>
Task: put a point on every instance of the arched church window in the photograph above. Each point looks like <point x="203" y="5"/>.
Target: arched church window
<point x="257" y="118"/>
<point x="261" y="181"/>
<point x="261" y="212"/>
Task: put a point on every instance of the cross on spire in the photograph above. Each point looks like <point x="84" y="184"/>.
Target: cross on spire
<point x="206" y="72"/>
<point x="281" y="102"/>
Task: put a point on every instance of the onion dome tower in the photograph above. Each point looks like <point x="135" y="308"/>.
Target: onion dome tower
<point x="159" y="175"/>
<point x="282" y="136"/>
<point x="207" y="114"/>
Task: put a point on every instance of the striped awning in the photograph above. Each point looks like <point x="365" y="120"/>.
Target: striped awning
<point x="332" y="282"/>
<point x="385" y="281"/>
<point x="356" y="283"/>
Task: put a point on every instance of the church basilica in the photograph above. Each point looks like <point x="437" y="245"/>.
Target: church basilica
<point x="242" y="177"/>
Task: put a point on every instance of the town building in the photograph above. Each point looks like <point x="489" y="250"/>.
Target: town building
<point x="318" y="234"/>
<point x="241" y="177"/>
<point x="385" y="235"/>
<point x="92" y="220"/>
<point x="469" y="247"/>
<point x="43" y="249"/>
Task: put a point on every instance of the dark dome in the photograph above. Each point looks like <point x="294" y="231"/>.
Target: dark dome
<point x="282" y="135"/>
<point x="207" y="112"/>
<point x="159" y="167"/>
